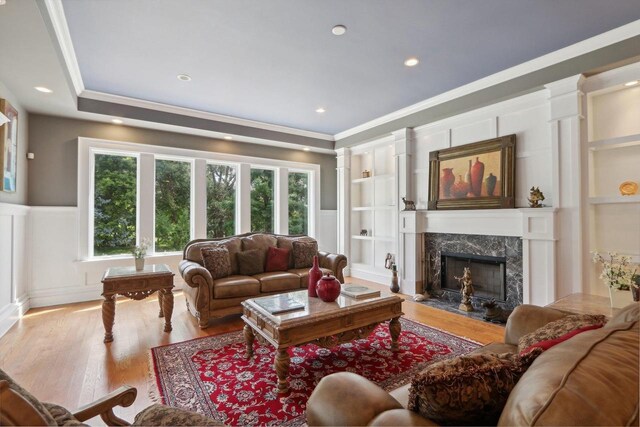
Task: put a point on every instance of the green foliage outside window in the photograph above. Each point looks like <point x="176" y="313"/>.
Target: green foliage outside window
<point x="173" y="205"/>
<point x="114" y="205"/>
<point x="262" y="184"/>
<point x="298" y="203"/>
<point x="221" y="201"/>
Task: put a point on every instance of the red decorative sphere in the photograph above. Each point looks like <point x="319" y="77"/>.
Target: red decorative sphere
<point x="328" y="288"/>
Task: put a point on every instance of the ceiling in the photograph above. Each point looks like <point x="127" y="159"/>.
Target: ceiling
<point x="277" y="61"/>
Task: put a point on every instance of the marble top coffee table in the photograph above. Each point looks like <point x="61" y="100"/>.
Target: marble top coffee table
<point x="320" y="323"/>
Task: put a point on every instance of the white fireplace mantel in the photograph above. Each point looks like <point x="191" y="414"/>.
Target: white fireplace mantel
<point x="536" y="227"/>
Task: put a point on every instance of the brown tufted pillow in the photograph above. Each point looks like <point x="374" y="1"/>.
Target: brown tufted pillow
<point x="559" y="328"/>
<point x="468" y="390"/>
<point x="250" y="262"/>
<point x="303" y="253"/>
<point x="216" y="259"/>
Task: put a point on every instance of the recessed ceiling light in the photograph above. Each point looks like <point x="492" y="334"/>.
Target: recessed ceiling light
<point x="184" y="77"/>
<point x="320" y="110"/>
<point x="228" y="138"/>
<point x="42" y="88"/>
<point x="411" y="62"/>
<point x="306" y="149"/>
<point x="116" y="121"/>
<point x="339" y="30"/>
<point x="631" y="83"/>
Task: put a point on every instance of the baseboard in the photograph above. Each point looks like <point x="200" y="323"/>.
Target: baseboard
<point x="66" y="295"/>
<point x="9" y="315"/>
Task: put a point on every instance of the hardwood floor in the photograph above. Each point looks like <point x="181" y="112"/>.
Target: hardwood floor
<point x="57" y="352"/>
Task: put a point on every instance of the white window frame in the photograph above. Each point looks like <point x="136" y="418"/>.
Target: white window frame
<point x="87" y="147"/>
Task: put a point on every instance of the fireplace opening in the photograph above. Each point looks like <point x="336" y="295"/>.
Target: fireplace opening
<point x="487" y="273"/>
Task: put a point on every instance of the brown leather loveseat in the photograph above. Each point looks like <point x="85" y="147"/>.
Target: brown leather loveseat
<point x="208" y="298"/>
<point x="590" y="379"/>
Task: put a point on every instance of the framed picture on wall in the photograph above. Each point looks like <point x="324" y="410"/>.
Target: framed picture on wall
<point x="8" y="147"/>
<point x="474" y="176"/>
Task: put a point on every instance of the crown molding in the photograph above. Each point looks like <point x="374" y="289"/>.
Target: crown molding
<point x="597" y="42"/>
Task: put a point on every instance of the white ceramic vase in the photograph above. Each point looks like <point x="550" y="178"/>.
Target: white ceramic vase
<point x="139" y="264"/>
<point x="620" y="298"/>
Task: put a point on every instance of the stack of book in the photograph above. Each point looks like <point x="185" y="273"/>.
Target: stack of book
<point x="358" y="291"/>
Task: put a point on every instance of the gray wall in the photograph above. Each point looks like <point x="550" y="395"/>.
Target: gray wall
<point x="53" y="174"/>
<point x="20" y="195"/>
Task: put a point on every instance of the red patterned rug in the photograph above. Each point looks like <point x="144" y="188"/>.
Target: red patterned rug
<point x="211" y="375"/>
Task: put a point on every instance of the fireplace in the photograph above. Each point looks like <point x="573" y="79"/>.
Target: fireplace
<point x="488" y="273"/>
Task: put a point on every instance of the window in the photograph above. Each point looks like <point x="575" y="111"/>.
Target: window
<point x="298" y="203"/>
<point x="262" y="214"/>
<point x="114" y="204"/>
<point x="173" y="205"/>
<point x="221" y="200"/>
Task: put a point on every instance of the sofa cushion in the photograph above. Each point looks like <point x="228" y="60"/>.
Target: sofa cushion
<point x="233" y="245"/>
<point x="62" y="416"/>
<point x="591" y="379"/>
<point x="304" y="275"/>
<point x="277" y="259"/>
<point x="547" y="344"/>
<point x="278" y="281"/>
<point x="467" y="390"/>
<point x="235" y="286"/>
<point x="559" y="327"/>
<point x="261" y="243"/>
<point x="287" y="243"/>
<point x="35" y="403"/>
<point x="216" y="260"/>
<point x="250" y="262"/>
<point x="303" y="253"/>
<point x="160" y="415"/>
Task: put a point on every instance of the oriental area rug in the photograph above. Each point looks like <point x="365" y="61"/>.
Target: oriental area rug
<point x="211" y="375"/>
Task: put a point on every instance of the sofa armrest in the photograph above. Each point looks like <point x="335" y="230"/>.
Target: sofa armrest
<point x="334" y="262"/>
<point x="198" y="291"/>
<point x="347" y="399"/>
<point x="194" y="274"/>
<point x="527" y="318"/>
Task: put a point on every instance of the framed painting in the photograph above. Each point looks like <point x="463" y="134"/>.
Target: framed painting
<point x="8" y="147"/>
<point x="474" y="176"/>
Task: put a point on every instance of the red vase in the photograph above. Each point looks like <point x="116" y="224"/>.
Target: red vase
<point x="477" y="173"/>
<point x="446" y="181"/>
<point x="315" y="274"/>
<point x="328" y="288"/>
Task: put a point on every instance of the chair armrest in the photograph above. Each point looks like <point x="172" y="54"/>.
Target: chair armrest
<point x="194" y="274"/>
<point x="347" y="399"/>
<point x="124" y="396"/>
<point x="15" y="410"/>
<point x="401" y="417"/>
<point x="527" y="318"/>
<point x="334" y="262"/>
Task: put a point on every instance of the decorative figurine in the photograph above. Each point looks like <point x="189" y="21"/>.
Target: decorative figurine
<point x="366" y="174"/>
<point x="535" y="197"/>
<point x="363" y="232"/>
<point x="466" y="290"/>
<point x="494" y="313"/>
<point x="409" y="205"/>
<point x="395" y="288"/>
<point x="388" y="261"/>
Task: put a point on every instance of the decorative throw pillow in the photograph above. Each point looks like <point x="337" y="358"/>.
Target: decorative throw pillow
<point x="277" y="259"/>
<point x="547" y="344"/>
<point x="468" y="390"/>
<point x="216" y="259"/>
<point x="560" y="327"/>
<point x="250" y="262"/>
<point x="303" y="253"/>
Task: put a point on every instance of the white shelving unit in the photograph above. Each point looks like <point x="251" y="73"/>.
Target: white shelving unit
<point x="613" y="156"/>
<point x="373" y="208"/>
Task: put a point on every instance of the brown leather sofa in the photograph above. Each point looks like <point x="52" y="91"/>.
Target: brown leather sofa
<point x="208" y="298"/>
<point x="590" y="379"/>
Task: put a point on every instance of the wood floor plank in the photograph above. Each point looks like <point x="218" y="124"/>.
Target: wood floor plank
<point x="57" y="352"/>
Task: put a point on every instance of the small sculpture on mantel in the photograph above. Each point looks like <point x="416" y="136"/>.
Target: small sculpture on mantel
<point x="409" y="205"/>
<point x="535" y="197"/>
<point x="466" y="290"/>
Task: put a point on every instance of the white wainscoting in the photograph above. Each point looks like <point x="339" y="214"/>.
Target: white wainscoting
<point x="13" y="260"/>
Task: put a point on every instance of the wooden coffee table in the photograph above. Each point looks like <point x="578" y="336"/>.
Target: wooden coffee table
<point x="136" y="285"/>
<point x="320" y="323"/>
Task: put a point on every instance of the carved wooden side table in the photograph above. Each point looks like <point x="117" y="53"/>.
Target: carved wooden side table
<point x="137" y="285"/>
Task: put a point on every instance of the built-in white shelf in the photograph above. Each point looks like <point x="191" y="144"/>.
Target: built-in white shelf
<point x="361" y="180"/>
<point x="358" y="237"/>
<point x="617" y="142"/>
<point x="610" y="200"/>
<point x="363" y="208"/>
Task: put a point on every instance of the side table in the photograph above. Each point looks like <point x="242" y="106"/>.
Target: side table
<point x="137" y="285"/>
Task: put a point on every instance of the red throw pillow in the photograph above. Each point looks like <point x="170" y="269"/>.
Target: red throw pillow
<point x="277" y="259"/>
<point x="547" y="344"/>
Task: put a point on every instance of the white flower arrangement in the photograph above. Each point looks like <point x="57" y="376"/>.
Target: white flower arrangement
<point x="617" y="272"/>
<point x="140" y="251"/>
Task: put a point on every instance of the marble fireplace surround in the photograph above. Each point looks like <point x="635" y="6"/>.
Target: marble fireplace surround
<point x="535" y="228"/>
